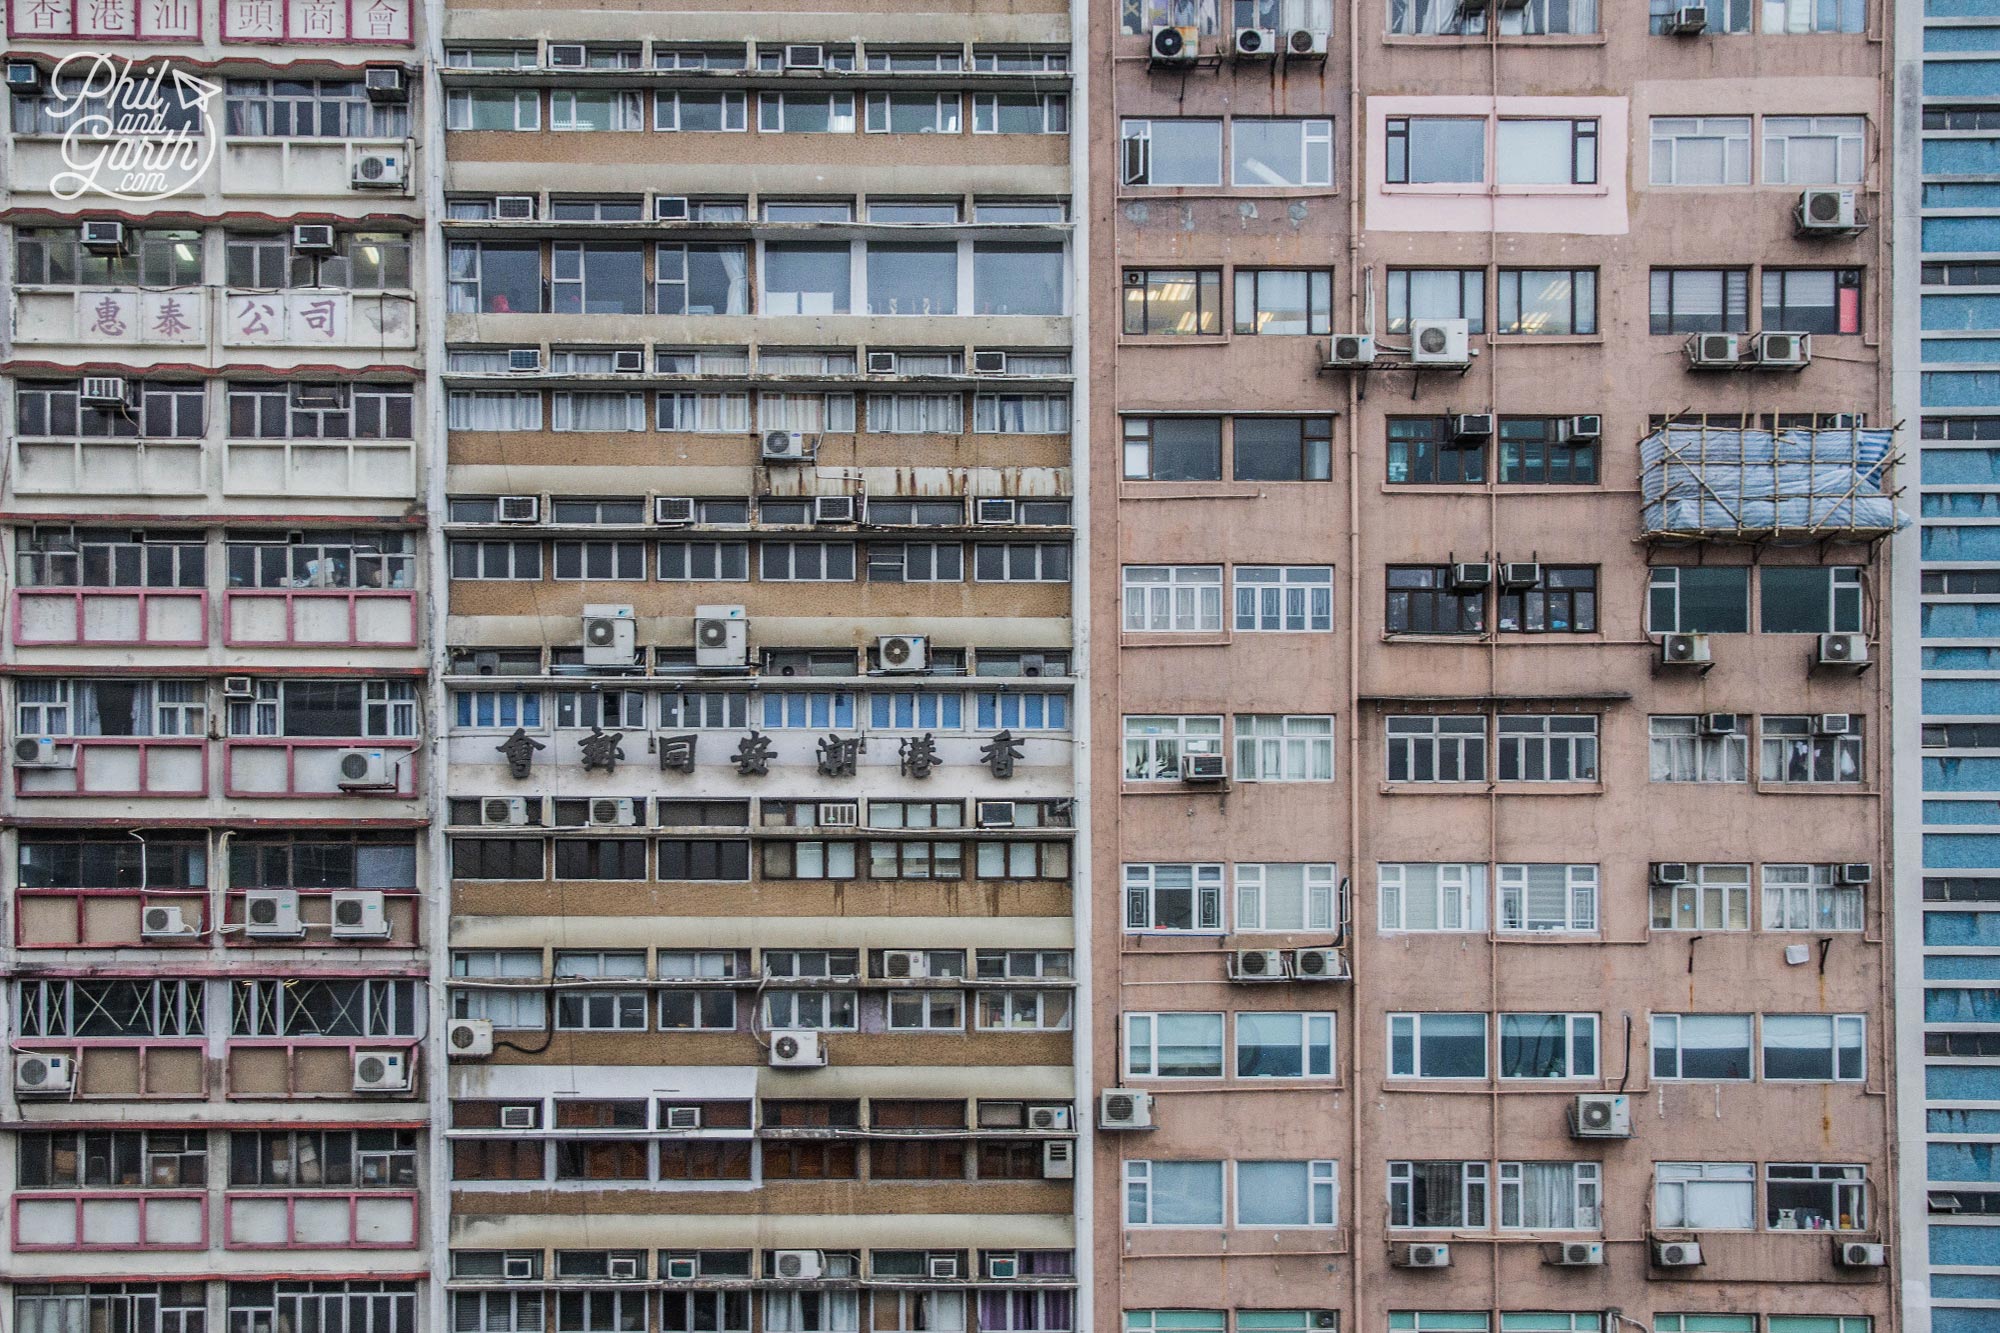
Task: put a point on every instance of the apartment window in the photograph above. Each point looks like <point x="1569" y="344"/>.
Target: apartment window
<point x="154" y="257"/>
<point x="1436" y="748"/>
<point x="1815" y="1197"/>
<point x="1277" y="747"/>
<point x="912" y="278"/>
<point x="1173" y="448"/>
<point x="1284" y="301"/>
<point x="493" y="409"/>
<point x="1437" y="1046"/>
<point x="698" y="112"/>
<point x="1285" y="896"/>
<point x="606" y="410"/>
<point x="1173" y="599"/>
<point x="326" y="708"/>
<point x="1424" y="451"/>
<point x="916" y="562"/>
<point x="1548" y="301"/>
<point x="110" y="1008"/>
<point x="1172" y="301"/>
<point x="1023" y="1011"/>
<point x="704" y="562"/>
<point x="911" y="113"/>
<point x="1437" y="1195"/>
<point x="815" y="1010"/>
<point x="1819" y="16"/>
<point x="1536" y="451"/>
<point x="310" y="109"/>
<point x="1706" y="1048"/>
<point x="807" y="279"/>
<point x="498" y="858"/>
<point x="1547" y="748"/>
<point x="1723" y="15"/>
<point x="1155" y="745"/>
<point x="1171" y="152"/>
<point x="1813" y="300"/>
<point x="1286" y="1194"/>
<point x="1549" y="1196"/>
<point x="1162" y="897"/>
<point x="110" y="708"/>
<point x="1283" y="598"/>
<point x="1548" y="898"/>
<point x="1421" y="600"/>
<point x="596" y="109"/>
<point x="1020" y="562"/>
<point x="607" y="858"/>
<point x="701" y="280"/>
<point x="1806" y="599"/>
<point x="598" y="279"/>
<point x="1803" y="749"/>
<point x="600" y="560"/>
<point x="516" y="1008"/>
<point x="1700" y="300"/>
<point x="600" y="708"/>
<point x="1015" y="278"/>
<point x="1701" y="150"/>
<point x="296" y="411"/>
<point x="1563" y="601"/>
<point x="1020" y="413"/>
<point x="496" y="709"/>
<point x="1698" y="600"/>
<point x="328" y="1007"/>
<point x="1548" y="1046"/>
<point x="805" y="562"/>
<point x="1173" y="1045"/>
<point x="1814" y="150"/>
<point x="1280" y="152"/>
<point x="1282" y="448"/>
<point x="926" y="1011"/>
<point x="1447" y="293"/>
<point x="1431" y="896"/>
<point x="494" y="277"/>
<point x="1436" y="150"/>
<point x="1173" y="1194"/>
<point x="1714" y="897"/>
<point x="1545" y="152"/>
<point x="1284" y="1045"/>
<point x="1020" y="113"/>
<point x="1814" y="1048"/>
<point x="805" y="113"/>
<point x="1705" y="1196"/>
<point x="492" y="109"/>
<point x="1806" y="897"/>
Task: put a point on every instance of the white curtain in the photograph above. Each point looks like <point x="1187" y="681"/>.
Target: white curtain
<point x="1548" y="1197"/>
<point x="1021" y="413"/>
<point x="610" y="411"/>
<point x="916" y="413"/>
<point x="705" y="413"/>
<point x="495" y="409"/>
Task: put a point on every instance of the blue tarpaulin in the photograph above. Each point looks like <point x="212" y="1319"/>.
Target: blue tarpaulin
<point x="1710" y="481"/>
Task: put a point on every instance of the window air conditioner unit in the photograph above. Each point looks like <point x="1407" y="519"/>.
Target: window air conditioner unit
<point x="1833" y="724"/>
<point x="1204" y="768"/>
<point x="805" y="57"/>
<point x="1319" y="965"/>
<point x="1677" y="650"/>
<point x="1420" y="1256"/>
<point x="789" y="446"/>
<point x="1304" y="43"/>
<point x="1687" y="21"/>
<point x="1784" y="351"/>
<point x="104" y="238"/>
<point x="673" y="510"/>
<point x="1859" y="1254"/>
<point x="1050" y="1119"/>
<point x="988" y="512"/>
<point x="1059" y="1158"/>
<point x="1677" y="1254"/>
<point x="1669" y="873"/>
<point x="903" y="653"/>
<point x="838" y="814"/>
<point x="37" y="1075"/>
<point x="1440" y="342"/>
<point x="164" y="923"/>
<point x="509" y="811"/>
<point x="1257" y="965"/>
<point x="386" y="83"/>
<point x="683" y="1117"/>
<point x="521" y="508"/>
<point x="312" y="238"/>
<point x="566" y="55"/>
<point x="42" y="752"/>
<point x="1601" y="1115"/>
<point x="797" y="1265"/>
<point x="881" y="363"/>
<point x="514" y="208"/>
<point x="1175" y="46"/>
<point x="105" y="391"/>
<point x="1471" y="577"/>
<point x="1578" y="1254"/>
<point x="272" y="914"/>
<point x="24" y="77"/>
<point x="670" y="208"/>
<point x="1472" y="426"/>
<point x="836" y="509"/>
<point x="905" y="964"/>
<point x="523" y="361"/>
<point x="380" y="171"/>
<point x="1350" y="349"/>
<point x="1719" y="724"/>
<point x="1714" y="351"/>
<point x="942" y="1266"/>
<point x="623" y="1267"/>
<point x="1520" y="574"/>
<point x="721" y="636"/>
<point x="1826" y="213"/>
<point x="469" y="1039"/>
<point x="365" y="770"/>
<point x="610" y="636"/>
<point x="1255" y="43"/>
<point x="1587" y="427"/>
<point x="381" y="1071"/>
<point x="1841" y="650"/>
<point x="1855" y="872"/>
<point x="518" y="1117"/>
<point x="797" y="1050"/>
<point x="238" y="687"/>
<point x="681" y="1268"/>
<point x="993" y="814"/>
<point x="1124" y="1108"/>
<point x="610" y="811"/>
<point x="628" y="360"/>
<point x="989" y="363"/>
<point x="360" y="915"/>
<point x="1003" y="1266"/>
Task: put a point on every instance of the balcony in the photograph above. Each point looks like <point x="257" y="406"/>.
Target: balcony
<point x="317" y="617"/>
<point x="105" y="1220"/>
<point x="117" y="766"/>
<point x="111" y="617"/>
<point x="319" y="1219"/>
<point x="281" y="767"/>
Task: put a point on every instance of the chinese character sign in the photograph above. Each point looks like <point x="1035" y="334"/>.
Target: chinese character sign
<point x="150" y="20"/>
<point x="130" y="317"/>
<point x="316" y="21"/>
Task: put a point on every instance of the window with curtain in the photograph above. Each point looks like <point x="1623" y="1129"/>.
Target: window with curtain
<point x="1429" y="895"/>
<point x="805" y="411"/>
<point x="1549" y="1196"/>
<point x="598" y="411"/>
<point x="1705" y="1196"/>
<point x="705" y="413"/>
<point x="916" y="413"/>
<point x="494" y="409"/>
<point x="1020" y="413"/>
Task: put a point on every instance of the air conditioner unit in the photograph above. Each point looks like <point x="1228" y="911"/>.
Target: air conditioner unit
<point x="610" y="635"/>
<point x="673" y="511"/>
<point x="1350" y="349"/>
<point x="312" y="238"/>
<point x="1471" y="577"/>
<point x="682" y="1117"/>
<point x="1472" y="426"/>
<point x="106" y="391"/>
<point x="1714" y="351"/>
<point x="881" y="363"/>
<point x="1520" y="574"/>
<point x="238" y="687"/>
<point x="1420" y="1256"/>
<point x="272" y="914"/>
<point x="42" y="752"/>
<point x="522" y="508"/>
<point x="903" y="652"/>
<point x="164" y="923"/>
<point x="1687" y="21"/>
<point x="1833" y="724"/>
<point x="1859" y="1254"/>
<point x="469" y="1039"/>
<point x="1257" y="965"/>
<point x="805" y="57"/>
<point x="1784" y="351"/>
<point x="1841" y="650"/>
<point x="789" y="446"/>
<point x="1720" y="724"/>
<point x="380" y="171"/>
<point x="837" y="508"/>
<point x="1175" y="46"/>
<point x="990" y="512"/>
<point x="623" y="1267"/>
<point x="797" y="1265"/>
<point x="797" y="1050"/>
<point x="567" y="55"/>
<point x="1050" y="1119"/>
<point x="838" y="814"/>
<point x="1059" y="1159"/>
<point x="993" y="814"/>
<point x="670" y="208"/>
<point x="360" y="915"/>
<point x="1676" y="1254"/>
<point x="518" y="1117"/>
<point x="628" y="360"/>
<point x="1319" y="965"/>
<point x="1826" y="213"/>
<point x="365" y="770"/>
<point x="901" y="964"/>
<point x="511" y="811"/>
<point x="1440" y="342"/>
<point x="1587" y="427"/>
<point x="1003" y="1266"/>
<point x="1855" y="872"/>
<point x="514" y="208"/>
<point x="1124" y="1108"/>
<point x="1204" y="768"/>
<point x="381" y="1071"/>
<point x="24" y="77"/>
<point x="610" y="811"/>
<point x="942" y="1266"/>
<point x="1255" y="43"/>
<point x="1302" y="43"/>
<point x="1685" y="650"/>
<point x="1578" y="1254"/>
<point x="386" y="83"/>
<point x="989" y="363"/>
<point x="721" y="636"/>
<point x="37" y="1075"/>
<point x="1601" y="1115"/>
<point x="1666" y="874"/>
<point x="103" y="238"/>
<point x="681" y="1268"/>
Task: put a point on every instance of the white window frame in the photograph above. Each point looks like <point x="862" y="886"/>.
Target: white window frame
<point x="938" y="1010"/>
<point x="1317" y="1035"/>
<point x="1139" y="1194"/>
<point x="1665" y="137"/>
<point x="1322" y="1182"/>
<point x="787" y="1010"/>
<point x="1300" y="748"/>
<point x="1586" y="1196"/>
<point x="1658" y="1040"/>
<point x="1136" y="163"/>
<point x="1142" y="1043"/>
<point x="1849" y="135"/>
<point x="1673" y="1179"/>
<point x="629" y="111"/>
<point x="947" y="115"/>
<point x="1160" y="751"/>
<point x="771" y="112"/>
<point x="1723" y="885"/>
<point x="1141" y="885"/>
<point x="1580" y="900"/>
<point x="1171" y="599"/>
<point x="1666" y="738"/>
<point x="1806" y="897"/>
<point x="1459" y="886"/>
<point x="1475" y="1200"/>
<point x="1837" y="1026"/>
<point x="1315" y="134"/>
<point x="1416" y="1021"/>
<point x="667" y="111"/>
<point x="1318" y="889"/>
<point x="1575" y="1027"/>
<point x="1263" y="602"/>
